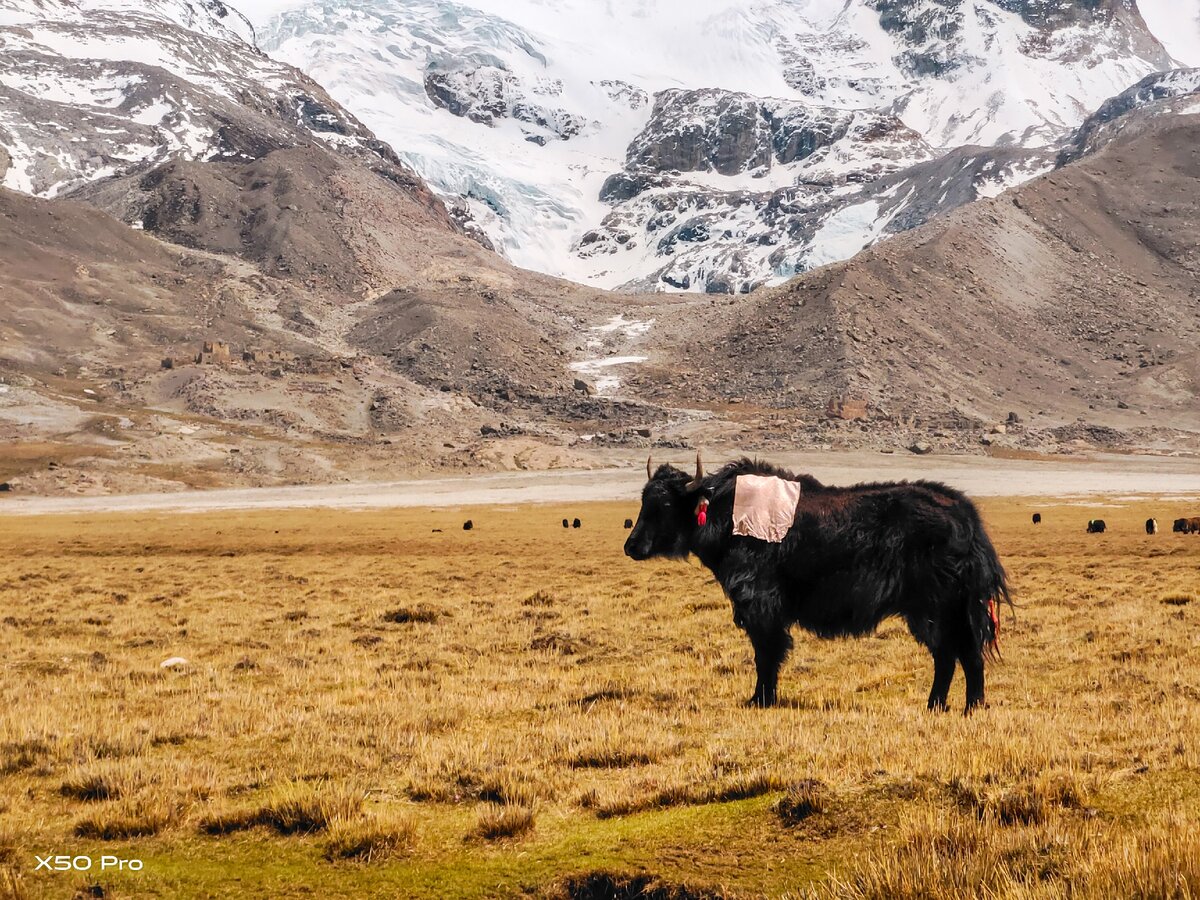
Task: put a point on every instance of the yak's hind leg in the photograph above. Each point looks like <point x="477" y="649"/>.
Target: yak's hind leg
<point x="944" y="659"/>
<point x="971" y="657"/>
<point x="771" y="647"/>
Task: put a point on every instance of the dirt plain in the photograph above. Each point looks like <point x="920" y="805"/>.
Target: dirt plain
<point x="379" y="703"/>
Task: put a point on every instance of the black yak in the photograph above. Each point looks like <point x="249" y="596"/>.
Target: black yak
<point x="1096" y="526"/>
<point x="628" y="524"/>
<point x="852" y="557"/>
<point x="1152" y="526"/>
<point x="1037" y="518"/>
<point x="575" y="523"/>
<point x="566" y="524"/>
<point x="468" y="525"/>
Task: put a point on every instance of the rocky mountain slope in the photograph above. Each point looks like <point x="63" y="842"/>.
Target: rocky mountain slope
<point x="714" y="146"/>
<point x="1066" y="310"/>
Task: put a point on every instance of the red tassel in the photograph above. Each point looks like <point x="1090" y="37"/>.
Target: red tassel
<point x="702" y="513"/>
<point x="994" y="615"/>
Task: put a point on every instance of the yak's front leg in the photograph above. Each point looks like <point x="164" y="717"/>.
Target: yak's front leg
<point x="758" y="610"/>
<point x="771" y="646"/>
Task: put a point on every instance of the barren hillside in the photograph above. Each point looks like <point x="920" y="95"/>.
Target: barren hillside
<point x="1071" y="302"/>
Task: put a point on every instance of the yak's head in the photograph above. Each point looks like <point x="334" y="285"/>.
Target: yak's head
<point x="667" y="519"/>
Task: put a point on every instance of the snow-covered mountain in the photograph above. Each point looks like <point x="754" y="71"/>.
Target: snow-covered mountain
<point x="719" y="144"/>
<point x="95" y="88"/>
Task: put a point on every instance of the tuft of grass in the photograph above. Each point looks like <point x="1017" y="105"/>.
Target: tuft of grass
<point x="23" y="755"/>
<point x="422" y="614"/>
<point x="741" y="786"/>
<point x="1024" y="803"/>
<point x="560" y="643"/>
<point x="293" y="809"/>
<point x="539" y="598"/>
<point x="611" y="758"/>
<point x="803" y="799"/>
<point x="369" y="842"/>
<point x="1178" y="598"/>
<point x="91" y="787"/>
<point x="604" y="885"/>
<point x="497" y="822"/>
<point x="504" y="789"/>
<point x="122" y="820"/>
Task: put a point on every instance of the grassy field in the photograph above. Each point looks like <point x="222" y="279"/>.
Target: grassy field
<point x="370" y="707"/>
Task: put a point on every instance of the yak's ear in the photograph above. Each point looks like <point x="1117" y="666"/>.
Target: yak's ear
<point x="698" y="482"/>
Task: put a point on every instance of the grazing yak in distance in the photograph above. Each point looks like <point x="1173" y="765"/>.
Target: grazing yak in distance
<point x="1096" y="526"/>
<point x="628" y="524"/>
<point x="575" y="523"/>
<point x="1037" y="518"/>
<point x="850" y="557"/>
<point x="1152" y="526"/>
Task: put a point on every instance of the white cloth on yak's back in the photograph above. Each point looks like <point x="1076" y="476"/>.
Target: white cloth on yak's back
<point x="764" y="506"/>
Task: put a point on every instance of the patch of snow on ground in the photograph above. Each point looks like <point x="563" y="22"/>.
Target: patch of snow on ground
<point x="631" y="328"/>
<point x="595" y="370"/>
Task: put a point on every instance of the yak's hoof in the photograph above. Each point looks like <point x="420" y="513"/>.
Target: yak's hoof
<point x="971" y="707"/>
<point x="757" y="702"/>
<point x="941" y="707"/>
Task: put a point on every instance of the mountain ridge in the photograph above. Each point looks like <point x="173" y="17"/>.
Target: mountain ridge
<point x="952" y="76"/>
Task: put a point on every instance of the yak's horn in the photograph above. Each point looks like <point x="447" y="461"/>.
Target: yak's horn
<point x="699" y="473"/>
<point x="649" y="469"/>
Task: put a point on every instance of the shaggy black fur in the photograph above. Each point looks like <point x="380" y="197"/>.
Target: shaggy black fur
<point x="854" y="556"/>
<point x="1096" y="526"/>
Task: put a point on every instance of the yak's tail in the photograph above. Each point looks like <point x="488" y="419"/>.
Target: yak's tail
<point x="987" y="589"/>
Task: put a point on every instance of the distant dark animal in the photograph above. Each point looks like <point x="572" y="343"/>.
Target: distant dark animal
<point x="5" y="487"/>
<point x="1152" y="526"/>
<point x="1180" y="525"/>
<point x="566" y="524"/>
<point x="1193" y="525"/>
<point x="468" y="525"/>
<point x="437" y="531"/>
<point x="1037" y="518"/>
<point x="576" y="524"/>
<point x="1096" y="526"/>
<point x="628" y="524"/>
<point x="852" y="557"/>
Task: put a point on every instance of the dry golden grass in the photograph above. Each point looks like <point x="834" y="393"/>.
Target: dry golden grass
<point x="371" y="708"/>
